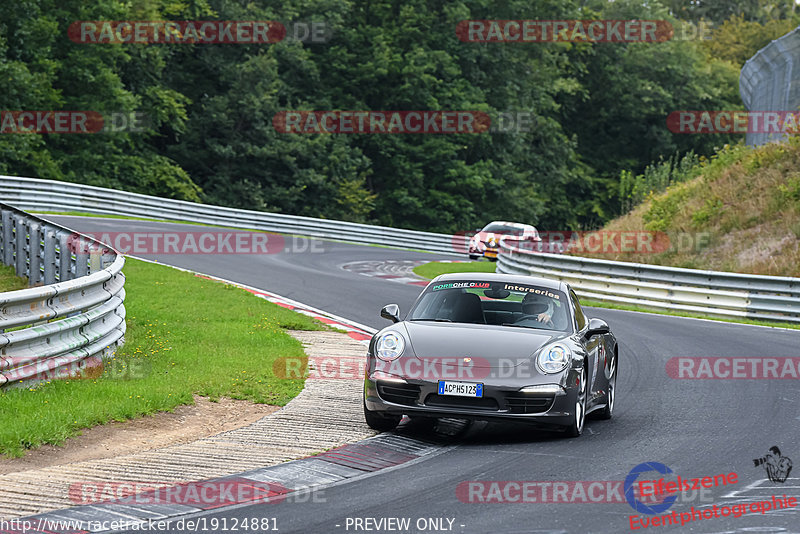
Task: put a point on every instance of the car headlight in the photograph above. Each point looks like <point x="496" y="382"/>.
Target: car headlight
<point x="554" y="358"/>
<point x="390" y="346"/>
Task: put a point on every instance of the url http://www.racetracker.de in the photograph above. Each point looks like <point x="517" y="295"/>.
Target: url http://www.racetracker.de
<point x="201" y="524"/>
<point x="735" y="510"/>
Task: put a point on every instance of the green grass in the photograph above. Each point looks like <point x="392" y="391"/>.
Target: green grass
<point x="434" y="269"/>
<point x="98" y="215"/>
<point x="676" y="313"/>
<point x="9" y="281"/>
<point x="186" y="336"/>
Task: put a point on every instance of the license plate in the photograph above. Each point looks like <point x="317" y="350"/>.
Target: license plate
<point x="460" y="389"/>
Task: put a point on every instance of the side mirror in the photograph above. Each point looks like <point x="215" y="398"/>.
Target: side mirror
<point x="596" y="328"/>
<point x="392" y="312"/>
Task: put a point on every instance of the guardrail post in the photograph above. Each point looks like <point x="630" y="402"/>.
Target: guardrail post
<point x="7" y="236"/>
<point x="64" y="256"/>
<point x="20" y="263"/>
<point x="95" y="259"/>
<point x="49" y="243"/>
<point x="82" y="260"/>
<point x="34" y="253"/>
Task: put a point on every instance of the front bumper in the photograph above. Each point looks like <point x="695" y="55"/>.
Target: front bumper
<point x="500" y="401"/>
<point x="487" y="252"/>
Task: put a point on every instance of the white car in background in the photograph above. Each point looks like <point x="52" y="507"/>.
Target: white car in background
<point x="486" y="241"/>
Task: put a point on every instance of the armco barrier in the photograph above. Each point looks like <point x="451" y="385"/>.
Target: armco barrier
<point x="713" y="293"/>
<point x="75" y="314"/>
<point x="48" y="195"/>
<point x="666" y="288"/>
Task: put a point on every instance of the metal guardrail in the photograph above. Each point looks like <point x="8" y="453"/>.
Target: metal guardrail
<point x="75" y="314"/>
<point x="770" y="81"/>
<point x="48" y="195"/>
<point x="665" y="288"/>
<point x="720" y="294"/>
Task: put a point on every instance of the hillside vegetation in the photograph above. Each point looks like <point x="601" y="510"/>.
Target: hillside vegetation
<point x="197" y="121"/>
<point x="738" y="211"/>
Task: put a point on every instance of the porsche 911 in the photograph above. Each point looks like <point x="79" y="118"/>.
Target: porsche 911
<point x="492" y="347"/>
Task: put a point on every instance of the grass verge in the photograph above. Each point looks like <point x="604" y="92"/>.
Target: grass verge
<point x="738" y="211"/>
<point x="9" y="281"/>
<point x="434" y="269"/>
<point x="186" y="335"/>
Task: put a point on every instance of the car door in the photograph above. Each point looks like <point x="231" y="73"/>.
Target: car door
<point x="593" y="346"/>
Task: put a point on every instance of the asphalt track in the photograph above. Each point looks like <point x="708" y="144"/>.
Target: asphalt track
<point x="696" y="427"/>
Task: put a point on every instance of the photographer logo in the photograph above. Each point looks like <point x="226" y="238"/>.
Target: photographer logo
<point x="778" y="467"/>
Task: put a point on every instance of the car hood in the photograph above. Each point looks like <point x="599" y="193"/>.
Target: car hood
<point x="489" y="346"/>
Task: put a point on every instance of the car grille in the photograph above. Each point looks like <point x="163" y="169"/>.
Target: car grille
<point x="399" y="393"/>
<point x="446" y="401"/>
<point x="528" y="404"/>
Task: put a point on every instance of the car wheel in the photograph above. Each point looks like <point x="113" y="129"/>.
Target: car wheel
<point x="379" y="421"/>
<point x="579" y="412"/>
<point x="473" y="256"/>
<point x="608" y="411"/>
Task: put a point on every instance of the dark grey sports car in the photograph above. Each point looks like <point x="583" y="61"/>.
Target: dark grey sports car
<point x="492" y="346"/>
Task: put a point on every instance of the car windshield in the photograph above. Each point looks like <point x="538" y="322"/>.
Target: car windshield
<point x="497" y="228"/>
<point x="495" y="303"/>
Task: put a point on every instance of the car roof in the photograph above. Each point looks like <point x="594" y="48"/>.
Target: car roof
<point x="507" y="278"/>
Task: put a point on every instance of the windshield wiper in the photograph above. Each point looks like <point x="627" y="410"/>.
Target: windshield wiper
<point x="523" y="326"/>
<point x="434" y="320"/>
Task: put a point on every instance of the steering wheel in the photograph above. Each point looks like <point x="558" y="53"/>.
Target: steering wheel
<point x="548" y="322"/>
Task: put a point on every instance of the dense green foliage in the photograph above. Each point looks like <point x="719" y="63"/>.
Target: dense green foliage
<point x="599" y="108"/>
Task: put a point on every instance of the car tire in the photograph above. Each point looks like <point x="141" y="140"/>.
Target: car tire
<point x="608" y="411"/>
<point x="575" y="429"/>
<point x="380" y="422"/>
<point x="473" y="256"/>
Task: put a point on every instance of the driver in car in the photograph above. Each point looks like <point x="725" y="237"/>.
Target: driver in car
<point x="538" y="307"/>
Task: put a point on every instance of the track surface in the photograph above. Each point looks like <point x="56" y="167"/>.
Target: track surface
<point x="696" y="427"/>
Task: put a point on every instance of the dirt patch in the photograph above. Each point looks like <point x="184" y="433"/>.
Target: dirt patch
<point x="185" y="424"/>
